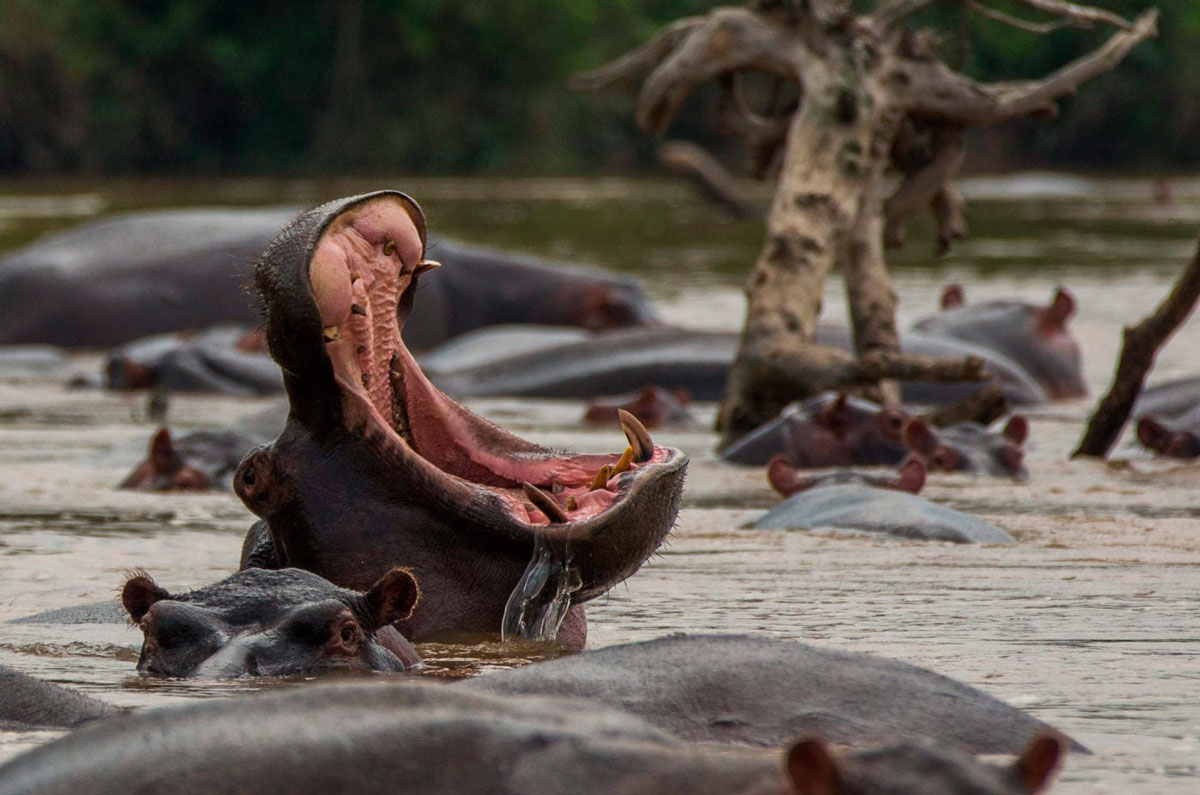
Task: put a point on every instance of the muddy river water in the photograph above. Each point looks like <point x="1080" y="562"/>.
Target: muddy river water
<point x="1090" y="621"/>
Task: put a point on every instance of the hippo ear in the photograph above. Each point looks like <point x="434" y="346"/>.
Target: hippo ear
<point x="952" y="296"/>
<point x="912" y="475"/>
<point x="1036" y="764"/>
<point x="1055" y="316"/>
<point x="1153" y="434"/>
<point x="163" y="455"/>
<point x="783" y="478"/>
<point x="812" y="770"/>
<point x="391" y="599"/>
<point x="682" y="395"/>
<point x="835" y="415"/>
<point x="1016" y="430"/>
<point x="919" y="437"/>
<point x="139" y="594"/>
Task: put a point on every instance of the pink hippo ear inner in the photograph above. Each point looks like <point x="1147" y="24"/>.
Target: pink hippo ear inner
<point x="163" y="455"/>
<point x="912" y="475"/>
<point x="918" y="436"/>
<point x="1036" y="765"/>
<point x="783" y="478"/>
<point x="139" y="594"/>
<point x="953" y="296"/>
<point x="1053" y="319"/>
<point x="1016" y="430"/>
<point x="835" y="416"/>
<point x="811" y="769"/>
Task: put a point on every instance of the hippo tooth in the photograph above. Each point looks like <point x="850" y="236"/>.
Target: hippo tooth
<point x="571" y="504"/>
<point x="601" y="479"/>
<point x="623" y="462"/>
<point x="545" y="503"/>
<point x="358" y="310"/>
<point x="638" y="436"/>
<point x="426" y="265"/>
<point x="331" y="333"/>
<point x="389" y="248"/>
<point x="399" y="407"/>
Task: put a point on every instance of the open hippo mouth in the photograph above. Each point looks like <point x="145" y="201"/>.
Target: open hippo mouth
<point x="377" y="467"/>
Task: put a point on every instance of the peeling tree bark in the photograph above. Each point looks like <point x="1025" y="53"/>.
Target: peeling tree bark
<point x="1138" y="351"/>
<point x="870" y="93"/>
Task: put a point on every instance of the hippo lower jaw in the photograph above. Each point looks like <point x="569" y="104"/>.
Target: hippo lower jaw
<point x="607" y="513"/>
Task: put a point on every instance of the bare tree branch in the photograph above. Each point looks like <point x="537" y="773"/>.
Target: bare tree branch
<point x="707" y="174"/>
<point x="762" y="135"/>
<point x="889" y="14"/>
<point x="950" y="214"/>
<point x="692" y="52"/>
<point x="1026" y="25"/>
<point x="1077" y="14"/>
<point x="629" y="68"/>
<point x="1140" y="347"/>
<point x="921" y="186"/>
<point x="935" y="91"/>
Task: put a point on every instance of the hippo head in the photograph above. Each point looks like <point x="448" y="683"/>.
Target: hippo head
<point x="271" y="623"/>
<point x="164" y="469"/>
<point x="1164" y="440"/>
<point x="652" y="405"/>
<point x="376" y="467"/>
<point x="787" y="481"/>
<point x="837" y="430"/>
<point x="969" y="447"/>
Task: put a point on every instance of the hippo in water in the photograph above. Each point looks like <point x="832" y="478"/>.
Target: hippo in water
<point x="379" y="738"/>
<point x="376" y="467"/>
<point x="205" y="458"/>
<point x="1177" y="437"/>
<point x="784" y="479"/>
<point x="113" y="280"/>
<point x="971" y="448"/>
<point x="1035" y="337"/>
<point x="27" y="703"/>
<point x="230" y="360"/>
<point x="861" y="508"/>
<point x="828" y="430"/>
<point x="272" y="623"/>
<point x="654" y="406"/>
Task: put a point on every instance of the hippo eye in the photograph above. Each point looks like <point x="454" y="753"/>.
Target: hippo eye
<point x="348" y="634"/>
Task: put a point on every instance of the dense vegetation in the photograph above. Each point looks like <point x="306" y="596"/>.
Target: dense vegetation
<point x="465" y="86"/>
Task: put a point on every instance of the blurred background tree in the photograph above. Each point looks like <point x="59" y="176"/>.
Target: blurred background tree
<point x="469" y="87"/>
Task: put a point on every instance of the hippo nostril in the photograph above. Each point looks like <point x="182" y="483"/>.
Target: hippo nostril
<point x="248" y="477"/>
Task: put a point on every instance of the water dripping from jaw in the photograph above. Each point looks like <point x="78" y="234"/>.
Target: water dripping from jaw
<point x="537" y="606"/>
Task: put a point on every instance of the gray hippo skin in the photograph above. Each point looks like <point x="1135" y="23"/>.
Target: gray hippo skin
<point x="1169" y="399"/>
<point x="882" y="511"/>
<point x="618" y="361"/>
<point x="29" y="703"/>
<point x="1034" y="337"/>
<point x="417" y="739"/>
<point x="259" y="622"/>
<point x="216" y="360"/>
<point x="764" y="691"/>
<point x="205" y="458"/>
<point x="117" y="279"/>
<point x="828" y="430"/>
<point x="271" y="623"/>
<point x="376" y="467"/>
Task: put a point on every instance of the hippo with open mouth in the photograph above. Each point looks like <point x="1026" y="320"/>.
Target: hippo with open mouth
<point x="377" y="468"/>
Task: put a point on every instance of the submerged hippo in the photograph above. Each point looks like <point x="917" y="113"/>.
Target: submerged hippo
<point x="1177" y="437"/>
<point x="379" y="738"/>
<point x="654" y="406"/>
<point x="113" y="280"/>
<point x="205" y="458"/>
<point x="272" y="623"/>
<point x="223" y="359"/>
<point x="971" y="448"/>
<point x="1169" y="399"/>
<point x="784" y="479"/>
<point x="883" y="511"/>
<point x="376" y="467"/>
<point x="28" y="703"/>
<point x="1035" y="337"/>
<point x="828" y="430"/>
<point x="763" y="691"/>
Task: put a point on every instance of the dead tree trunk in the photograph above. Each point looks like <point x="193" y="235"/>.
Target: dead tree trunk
<point x="874" y="99"/>
<point x="1138" y="350"/>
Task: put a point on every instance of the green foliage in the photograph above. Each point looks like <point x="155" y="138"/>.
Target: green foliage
<point x="457" y="86"/>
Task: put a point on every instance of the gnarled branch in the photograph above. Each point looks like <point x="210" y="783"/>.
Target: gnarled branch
<point x="936" y="91"/>
<point x="923" y="183"/>
<point x="628" y="69"/>
<point x="763" y="136"/>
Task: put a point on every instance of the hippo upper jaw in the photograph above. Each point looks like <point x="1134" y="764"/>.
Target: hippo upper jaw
<point x="366" y="426"/>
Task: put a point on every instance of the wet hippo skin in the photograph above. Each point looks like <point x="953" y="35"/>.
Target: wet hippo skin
<point x="436" y="739"/>
<point x="215" y="360"/>
<point x="1177" y="437"/>
<point x="873" y="510"/>
<point x="764" y="691"/>
<point x="113" y="280"/>
<point x="271" y="623"/>
<point x="29" y="703"/>
<point x="376" y="467"/>
<point x="1034" y="337"/>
